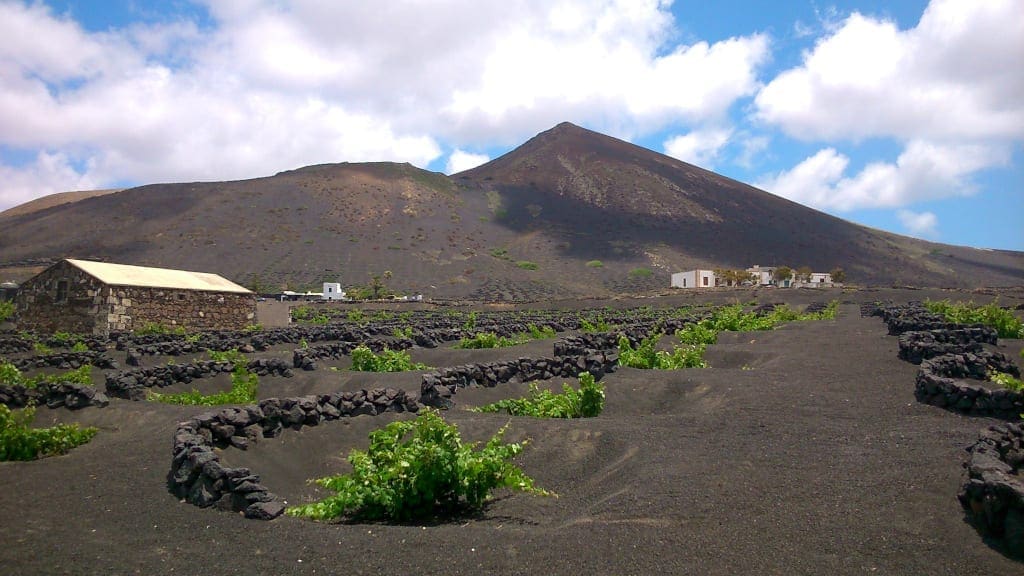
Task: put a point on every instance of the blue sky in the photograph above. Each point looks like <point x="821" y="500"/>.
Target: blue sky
<point x="905" y="116"/>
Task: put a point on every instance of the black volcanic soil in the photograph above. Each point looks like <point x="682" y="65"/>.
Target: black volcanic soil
<point x="800" y="451"/>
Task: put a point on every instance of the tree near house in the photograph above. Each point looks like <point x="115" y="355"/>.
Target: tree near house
<point x="782" y="274"/>
<point x="803" y="274"/>
<point x="734" y="277"/>
<point x="378" y="286"/>
<point x="838" y="275"/>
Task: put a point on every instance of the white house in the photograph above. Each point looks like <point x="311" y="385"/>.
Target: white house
<point x="333" y="291"/>
<point x="694" y="279"/>
<point x="763" y="275"/>
<point x="818" y="279"/>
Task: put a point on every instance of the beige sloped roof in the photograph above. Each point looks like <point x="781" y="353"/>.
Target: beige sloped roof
<point x="125" y="275"/>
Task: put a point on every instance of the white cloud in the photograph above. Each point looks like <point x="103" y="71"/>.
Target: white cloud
<point x="951" y="77"/>
<point x="752" y="147"/>
<point x="48" y="174"/>
<point x="922" y="171"/>
<point x="924" y="224"/>
<point x="460" y="161"/>
<point x="277" y="84"/>
<point x="699" y="147"/>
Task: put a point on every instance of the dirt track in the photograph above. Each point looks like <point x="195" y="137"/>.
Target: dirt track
<point x="801" y="451"/>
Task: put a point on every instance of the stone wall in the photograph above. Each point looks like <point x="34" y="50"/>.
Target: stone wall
<point x="132" y="307"/>
<point x="197" y="475"/>
<point x="993" y="494"/>
<point x="63" y="394"/>
<point x="132" y="384"/>
<point x="918" y="346"/>
<point x="39" y="310"/>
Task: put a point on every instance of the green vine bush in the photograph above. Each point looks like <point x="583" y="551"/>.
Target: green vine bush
<point x="6" y="310"/>
<point x="484" y="340"/>
<point x="20" y="441"/>
<point x="1006" y="324"/>
<point x="599" y="324"/>
<point x="1006" y="381"/>
<point x="541" y="333"/>
<point x="586" y="402"/>
<point x="417" y="469"/>
<point x="157" y="328"/>
<point x="645" y="357"/>
<point x="11" y="376"/>
<point x="364" y="360"/>
<point x="244" y="386"/>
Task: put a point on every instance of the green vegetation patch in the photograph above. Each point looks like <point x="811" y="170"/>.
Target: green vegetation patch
<point x="157" y="328"/>
<point x="11" y="376"/>
<point x="244" y="386"/>
<point x="6" y="310"/>
<point x="641" y="273"/>
<point x="586" y="402"/>
<point x="20" y="441"/>
<point x="1006" y="324"/>
<point x="419" y="469"/>
<point x="364" y="360"/>
<point x="645" y="357"/>
<point x="595" y="264"/>
<point x="484" y="340"/>
<point x="309" y="315"/>
<point x="527" y="265"/>
<point x="1006" y="381"/>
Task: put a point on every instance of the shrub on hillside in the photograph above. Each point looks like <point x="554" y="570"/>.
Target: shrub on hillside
<point x="6" y="310"/>
<point x="364" y="360"/>
<point x="645" y="357"/>
<point x="244" y="386"/>
<point x="1006" y="324"/>
<point x="19" y="441"/>
<point x="586" y="402"/>
<point x="419" y="469"/>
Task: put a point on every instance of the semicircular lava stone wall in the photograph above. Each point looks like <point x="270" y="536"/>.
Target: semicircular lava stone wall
<point x="993" y="495"/>
<point x="953" y="364"/>
<point x="197" y="474"/>
<point x="59" y="395"/>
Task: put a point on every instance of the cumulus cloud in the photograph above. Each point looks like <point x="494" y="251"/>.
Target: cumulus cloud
<point x="946" y="78"/>
<point x="267" y="85"/>
<point x="460" y="160"/>
<point x="49" y="173"/>
<point x="923" y="224"/>
<point x="699" y="147"/>
<point x="922" y="171"/>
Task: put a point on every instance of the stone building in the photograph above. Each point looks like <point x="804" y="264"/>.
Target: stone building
<point x="87" y="297"/>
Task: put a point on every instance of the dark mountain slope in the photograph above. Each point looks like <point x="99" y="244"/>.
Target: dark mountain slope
<point x="627" y="201"/>
<point x="570" y="213"/>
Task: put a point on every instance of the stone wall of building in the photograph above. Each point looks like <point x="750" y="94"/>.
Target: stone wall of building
<point x="39" y="309"/>
<point x="91" y="307"/>
<point x="131" y="308"/>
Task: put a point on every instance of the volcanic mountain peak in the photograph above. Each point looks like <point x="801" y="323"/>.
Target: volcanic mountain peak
<point x="569" y="213"/>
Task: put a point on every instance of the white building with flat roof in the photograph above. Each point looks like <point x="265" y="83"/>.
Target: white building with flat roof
<point x="695" y="279"/>
<point x="333" y="291"/>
